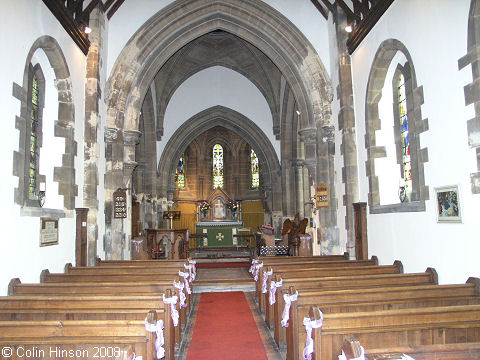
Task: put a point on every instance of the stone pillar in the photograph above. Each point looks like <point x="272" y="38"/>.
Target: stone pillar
<point x="299" y="188"/>
<point x="309" y="138"/>
<point x="346" y="126"/>
<point x="327" y="231"/>
<point x="91" y="149"/>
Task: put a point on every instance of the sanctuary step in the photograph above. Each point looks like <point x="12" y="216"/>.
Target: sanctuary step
<point x="223" y="279"/>
<point x="223" y="254"/>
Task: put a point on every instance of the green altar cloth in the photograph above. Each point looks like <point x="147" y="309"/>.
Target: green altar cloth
<point x="219" y="233"/>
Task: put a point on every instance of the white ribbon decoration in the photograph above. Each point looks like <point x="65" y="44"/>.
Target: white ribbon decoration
<point x="342" y="356"/>
<point x="286" y="310"/>
<point x="173" y="310"/>
<point x="137" y="247"/>
<point x="405" y="357"/>
<point x="266" y="274"/>
<point x="194" y="269"/>
<point x="257" y="271"/>
<point x="190" y="271"/>
<point x="309" y="326"/>
<point x="185" y="281"/>
<point x="135" y="357"/>
<point x="252" y="268"/>
<point x="273" y="289"/>
<point x="180" y="287"/>
<point x="159" y="341"/>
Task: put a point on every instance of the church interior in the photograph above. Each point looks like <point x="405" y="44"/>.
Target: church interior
<point x="283" y="159"/>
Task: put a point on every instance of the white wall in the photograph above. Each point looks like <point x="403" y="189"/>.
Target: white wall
<point x="435" y="34"/>
<point x="217" y="86"/>
<point x="20" y="255"/>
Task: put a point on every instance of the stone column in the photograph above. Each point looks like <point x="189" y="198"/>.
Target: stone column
<point x="309" y="137"/>
<point x="299" y="188"/>
<point x="91" y="149"/>
<point x="346" y="126"/>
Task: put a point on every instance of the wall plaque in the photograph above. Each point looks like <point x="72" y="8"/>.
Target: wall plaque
<point x="48" y="231"/>
<point x="322" y="198"/>
<point x="120" y="204"/>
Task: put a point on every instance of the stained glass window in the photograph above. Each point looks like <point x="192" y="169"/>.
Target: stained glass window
<point x="32" y="174"/>
<point x="181" y="173"/>
<point x="217" y="166"/>
<point x="254" y="170"/>
<point x="405" y="143"/>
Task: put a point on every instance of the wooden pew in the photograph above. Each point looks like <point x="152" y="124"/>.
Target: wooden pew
<point x="429" y="277"/>
<point x="159" y="262"/>
<point x="394" y="328"/>
<point x="47" y="277"/>
<point x="290" y="259"/>
<point x="375" y="299"/>
<point x="81" y="339"/>
<point x="337" y="270"/>
<point x="101" y="288"/>
<point x="131" y="269"/>
<point x="461" y="351"/>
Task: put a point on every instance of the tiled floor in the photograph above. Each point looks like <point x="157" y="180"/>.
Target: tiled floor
<point x="271" y="348"/>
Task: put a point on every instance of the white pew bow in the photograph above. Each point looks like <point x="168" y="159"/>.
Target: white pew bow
<point x="194" y="268"/>
<point x="273" y="289"/>
<point x="286" y="310"/>
<point x="159" y="341"/>
<point x="257" y="271"/>
<point x="173" y="310"/>
<point x="137" y="246"/>
<point x="190" y="271"/>
<point x="266" y="274"/>
<point x="309" y="326"/>
<point x="185" y="280"/>
<point x="180" y="287"/>
<point x="252" y="268"/>
<point x="342" y="356"/>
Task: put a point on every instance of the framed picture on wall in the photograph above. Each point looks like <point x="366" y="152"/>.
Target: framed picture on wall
<point x="448" y="204"/>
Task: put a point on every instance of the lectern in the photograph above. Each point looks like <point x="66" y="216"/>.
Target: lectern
<point x="171" y="215"/>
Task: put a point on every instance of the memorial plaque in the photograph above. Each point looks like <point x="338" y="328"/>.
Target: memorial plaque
<point x="120" y="204"/>
<point x="48" y="231"/>
<point x="321" y="196"/>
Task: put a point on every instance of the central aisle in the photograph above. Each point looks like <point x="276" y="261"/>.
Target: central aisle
<point x="225" y="329"/>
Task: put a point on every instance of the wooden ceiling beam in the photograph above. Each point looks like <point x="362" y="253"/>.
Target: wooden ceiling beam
<point x="347" y="10"/>
<point x="114" y="8"/>
<point x="328" y="5"/>
<point x="108" y="4"/>
<point x="363" y="8"/>
<point x="320" y="9"/>
<point x="89" y="8"/>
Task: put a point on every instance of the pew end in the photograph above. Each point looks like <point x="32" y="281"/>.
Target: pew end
<point x="399" y="266"/>
<point x="44" y="275"/>
<point x="374" y="259"/>
<point x="352" y="348"/>
<point x="12" y="286"/>
<point x="433" y="275"/>
<point x="151" y="319"/>
<point x="66" y="269"/>
<point x="476" y="282"/>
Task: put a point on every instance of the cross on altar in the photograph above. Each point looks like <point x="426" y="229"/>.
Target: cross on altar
<point x="220" y="236"/>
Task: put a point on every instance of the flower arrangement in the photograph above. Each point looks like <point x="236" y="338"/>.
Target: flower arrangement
<point x="204" y="206"/>
<point x="232" y="205"/>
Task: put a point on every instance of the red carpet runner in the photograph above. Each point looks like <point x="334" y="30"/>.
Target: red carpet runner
<point x="225" y="329"/>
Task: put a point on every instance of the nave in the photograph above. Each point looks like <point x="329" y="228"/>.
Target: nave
<point x="305" y="307"/>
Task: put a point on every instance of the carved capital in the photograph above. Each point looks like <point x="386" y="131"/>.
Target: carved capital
<point x="111" y="135"/>
<point x="308" y="135"/>
<point x="131" y="137"/>
<point x="328" y="133"/>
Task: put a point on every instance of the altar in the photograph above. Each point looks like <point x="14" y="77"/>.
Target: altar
<point x="218" y="233"/>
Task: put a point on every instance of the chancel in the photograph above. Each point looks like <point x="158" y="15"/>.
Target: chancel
<point x="156" y="151"/>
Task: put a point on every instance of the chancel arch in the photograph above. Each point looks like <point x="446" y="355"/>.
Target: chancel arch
<point x="221" y="117"/>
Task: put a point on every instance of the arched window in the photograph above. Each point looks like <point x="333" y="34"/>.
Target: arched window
<point x="217" y="166"/>
<point x="33" y="139"/>
<point x="254" y="171"/>
<point x="404" y="143"/>
<point x="181" y="173"/>
<point x="395" y="160"/>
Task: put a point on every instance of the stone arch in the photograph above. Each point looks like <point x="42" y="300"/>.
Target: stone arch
<point x="234" y="121"/>
<point x="252" y="20"/>
<point x="376" y="82"/>
<point x="64" y="125"/>
<point x="472" y="95"/>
